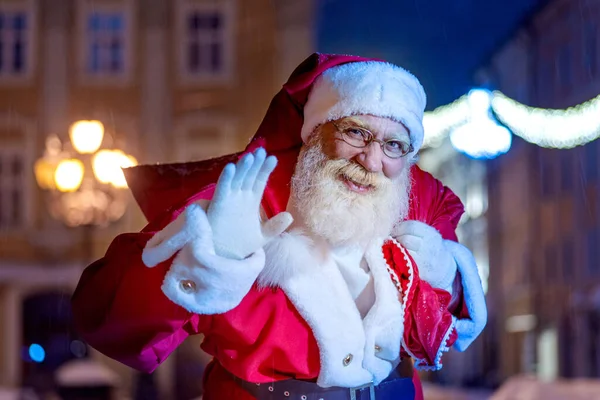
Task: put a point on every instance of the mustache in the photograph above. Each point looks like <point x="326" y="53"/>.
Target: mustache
<point x="358" y="174"/>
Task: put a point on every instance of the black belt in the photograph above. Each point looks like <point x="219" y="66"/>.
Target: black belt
<point x="392" y="388"/>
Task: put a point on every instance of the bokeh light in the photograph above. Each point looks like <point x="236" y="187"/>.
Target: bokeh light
<point x="37" y="353"/>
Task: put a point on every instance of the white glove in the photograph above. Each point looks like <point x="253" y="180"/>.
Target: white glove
<point x="203" y="282"/>
<point x="165" y="243"/>
<point x="427" y="247"/>
<point x="234" y="212"/>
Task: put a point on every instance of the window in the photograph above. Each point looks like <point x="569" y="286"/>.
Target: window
<point x="17" y="25"/>
<point x="12" y="176"/>
<point x="105" y="41"/>
<point x="205" y="39"/>
<point x="17" y="152"/>
<point x="205" y="47"/>
<point x="13" y="42"/>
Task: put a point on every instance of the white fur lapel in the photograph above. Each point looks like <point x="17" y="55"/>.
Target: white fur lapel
<point x="384" y="324"/>
<point x="347" y="345"/>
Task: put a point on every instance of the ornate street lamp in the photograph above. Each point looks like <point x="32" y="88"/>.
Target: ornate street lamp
<point x="84" y="187"/>
<point x="84" y="182"/>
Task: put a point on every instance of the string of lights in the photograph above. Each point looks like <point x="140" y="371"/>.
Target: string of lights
<point x="551" y="128"/>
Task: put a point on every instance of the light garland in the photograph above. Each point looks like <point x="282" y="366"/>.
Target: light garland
<point x="561" y="129"/>
<point x="552" y="128"/>
<point x="472" y="129"/>
<point x="439" y="122"/>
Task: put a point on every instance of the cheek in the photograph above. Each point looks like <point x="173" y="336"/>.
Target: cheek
<point x="393" y="168"/>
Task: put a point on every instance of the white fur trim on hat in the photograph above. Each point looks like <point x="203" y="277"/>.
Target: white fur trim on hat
<point x="369" y="87"/>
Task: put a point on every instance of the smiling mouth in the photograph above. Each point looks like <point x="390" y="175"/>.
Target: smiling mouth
<point x="355" y="186"/>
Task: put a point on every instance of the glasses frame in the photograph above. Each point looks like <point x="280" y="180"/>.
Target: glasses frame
<point x="370" y="140"/>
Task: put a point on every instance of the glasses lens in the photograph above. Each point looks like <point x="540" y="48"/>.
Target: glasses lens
<point x="356" y="137"/>
<point x="396" y="148"/>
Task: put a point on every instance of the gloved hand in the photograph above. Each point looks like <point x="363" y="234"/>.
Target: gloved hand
<point x="203" y="282"/>
<point x="234" y="212"/>
<point x="427" y="247"/>
<point x="168" y="241"/>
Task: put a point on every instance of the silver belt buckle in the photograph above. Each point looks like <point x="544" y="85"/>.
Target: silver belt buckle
<point x="369" y="385"/>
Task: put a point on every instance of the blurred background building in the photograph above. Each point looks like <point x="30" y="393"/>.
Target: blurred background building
<point x="168" y="80"/>
<point x="540" y="203"/>
<point x="544" y="224"/>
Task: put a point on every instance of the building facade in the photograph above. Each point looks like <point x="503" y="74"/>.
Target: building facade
<point x="171" y="80"/>
<point x="544" y="208"/>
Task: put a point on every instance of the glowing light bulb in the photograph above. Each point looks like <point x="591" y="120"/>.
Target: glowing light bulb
<point x="124" y="161"/>
<point x="68" y="175"/>
<point x="86" y="136"/>
<point x="107" y="166"/>
<point x="44" y="171"/>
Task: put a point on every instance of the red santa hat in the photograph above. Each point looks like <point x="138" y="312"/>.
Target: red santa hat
<point x="368" y="87"/>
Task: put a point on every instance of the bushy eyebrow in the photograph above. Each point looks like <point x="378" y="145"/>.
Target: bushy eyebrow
<point x="353" y="122"/>
<point x="402" y="137"/>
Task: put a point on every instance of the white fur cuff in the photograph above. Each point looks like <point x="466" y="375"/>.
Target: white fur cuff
<point x="210" y="289"/>
<point x="469" y="329"/>
<point x="199" y="280"/>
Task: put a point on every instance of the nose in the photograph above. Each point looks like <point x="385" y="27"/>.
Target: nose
<point x="371" y="157"/>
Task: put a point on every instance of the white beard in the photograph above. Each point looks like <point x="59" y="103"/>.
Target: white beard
<point x="324" y="205"/>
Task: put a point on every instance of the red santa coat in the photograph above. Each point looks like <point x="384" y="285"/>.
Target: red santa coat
<point x="120" y="310"/>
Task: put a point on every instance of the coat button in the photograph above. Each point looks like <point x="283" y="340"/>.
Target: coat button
<point x="347" y="360"/>
<point x="377" y="349"/>
<point x="188" y="286"/>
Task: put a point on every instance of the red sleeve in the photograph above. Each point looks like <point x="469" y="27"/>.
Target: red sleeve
<point x="428" y="324"/>
<point x="120" y="309"/>
<point x="428" y="327"/>
<point x="436" y="205"/>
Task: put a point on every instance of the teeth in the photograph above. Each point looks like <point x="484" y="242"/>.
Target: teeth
<point x="358" y="184"/>
<point x="354" y="182"/>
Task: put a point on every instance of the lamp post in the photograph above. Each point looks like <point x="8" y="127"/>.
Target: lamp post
<point x="84" y="181"/>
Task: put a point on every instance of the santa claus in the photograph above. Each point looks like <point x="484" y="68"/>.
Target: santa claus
<point x="319" y="263"/>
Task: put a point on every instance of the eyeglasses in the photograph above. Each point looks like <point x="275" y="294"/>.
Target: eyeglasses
<point x="360" y="138"/>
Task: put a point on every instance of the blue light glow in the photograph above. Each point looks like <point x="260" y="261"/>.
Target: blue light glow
<point x="481" y="140"/>
<point x="37" y="353"/>
<point x="481" y="136"/>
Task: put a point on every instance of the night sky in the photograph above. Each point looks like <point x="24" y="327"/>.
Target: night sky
<point x="442" y="42"/>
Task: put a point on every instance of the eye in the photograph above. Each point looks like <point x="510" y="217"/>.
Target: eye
<point x="357" y="133"/>
<point x="397" y="146"/>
